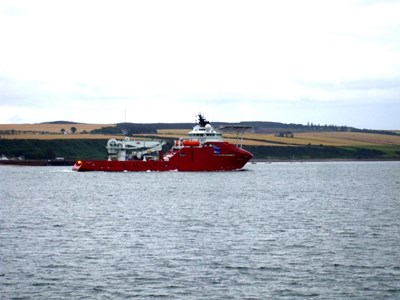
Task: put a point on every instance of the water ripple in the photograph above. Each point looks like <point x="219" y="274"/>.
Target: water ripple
<point x="277" y="231"/>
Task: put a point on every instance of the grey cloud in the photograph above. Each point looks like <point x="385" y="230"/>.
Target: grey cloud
<point x="371" y="84"/>
<point x="17" y="93"/>
<point x="356" y="85"/>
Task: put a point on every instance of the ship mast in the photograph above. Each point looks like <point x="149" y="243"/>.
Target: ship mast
<point x="240" y="130"/>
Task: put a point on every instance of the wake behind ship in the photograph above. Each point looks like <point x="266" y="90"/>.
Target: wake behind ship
<point x="203" y="150"/>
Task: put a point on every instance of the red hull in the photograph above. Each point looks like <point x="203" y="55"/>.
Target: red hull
<point x="216" y="156"/>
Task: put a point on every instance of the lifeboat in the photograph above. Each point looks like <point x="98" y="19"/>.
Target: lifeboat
<point x="191" y="143"/>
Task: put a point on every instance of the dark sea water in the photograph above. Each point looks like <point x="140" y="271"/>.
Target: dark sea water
<point x="322" y="230"/>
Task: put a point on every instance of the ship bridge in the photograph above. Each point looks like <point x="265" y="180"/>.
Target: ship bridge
<point x="205" y="134"/>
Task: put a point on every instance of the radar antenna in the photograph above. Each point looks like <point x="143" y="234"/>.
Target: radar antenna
<point x="202" y="121"/>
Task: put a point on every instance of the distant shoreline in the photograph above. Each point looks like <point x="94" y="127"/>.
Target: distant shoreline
<point x="37" y="162"/>
<point x="271" y="160"/>
<point x="55" y="162"/>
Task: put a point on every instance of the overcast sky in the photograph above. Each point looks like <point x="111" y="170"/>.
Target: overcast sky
<point x="328" y="62"/>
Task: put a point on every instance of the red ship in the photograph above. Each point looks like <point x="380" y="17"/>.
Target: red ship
<point x="203" y="150"/>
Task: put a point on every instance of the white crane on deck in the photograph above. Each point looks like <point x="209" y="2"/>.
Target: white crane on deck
<point x="140" y="149"/>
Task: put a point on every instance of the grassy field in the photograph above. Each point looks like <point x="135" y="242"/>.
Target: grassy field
<point x="338" y="139"/>
<point x="306" y="138"/>
<point x="343" y="139"/>
<point x="49" y="128"/>
<point x="59" y="136"/>
<point x="43" y="141"/>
